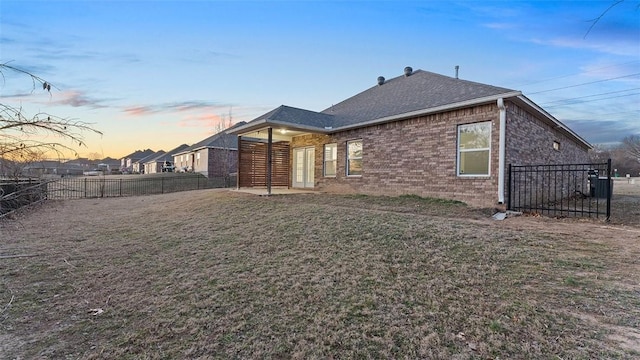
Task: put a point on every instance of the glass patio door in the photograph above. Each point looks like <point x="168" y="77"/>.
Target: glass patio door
<point x="303" y="167"/>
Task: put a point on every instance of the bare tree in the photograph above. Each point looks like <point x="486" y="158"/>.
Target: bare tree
<point x="599" y="154"/>
<point x="22" y="135"/>
<point x="25" y="138"/>
<point x="603" y="13"/>
<point x="625" y="156"/>
<point x="631" y="144"/>
<point x="225" y="156"/>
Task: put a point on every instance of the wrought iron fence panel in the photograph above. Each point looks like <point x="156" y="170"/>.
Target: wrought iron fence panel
<point x="561" y="189"/>
<point x="100" y="187"/>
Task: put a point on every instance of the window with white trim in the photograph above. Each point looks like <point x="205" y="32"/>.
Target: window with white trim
<point x="474" y="149"/>
<point x="354" y="158"/>
<point x="556" y="145"/>
<point x="197" y="159"/>
<point x="330" y="159"/>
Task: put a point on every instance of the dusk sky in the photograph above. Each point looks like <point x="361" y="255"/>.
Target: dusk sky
<point x="157" y="74"/>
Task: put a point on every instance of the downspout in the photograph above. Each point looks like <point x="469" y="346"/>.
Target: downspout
<point x="501" y="150"/>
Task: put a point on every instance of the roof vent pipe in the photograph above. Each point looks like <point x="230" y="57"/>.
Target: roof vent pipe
<point x="380" y="80"/>
<point x="457" y="68"/>
<point x="408" y="71"/>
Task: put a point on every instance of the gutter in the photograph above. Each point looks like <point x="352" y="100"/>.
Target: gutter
<point x="501" y="149"/>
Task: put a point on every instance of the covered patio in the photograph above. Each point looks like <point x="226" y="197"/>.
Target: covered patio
<point x="266" y="162"/>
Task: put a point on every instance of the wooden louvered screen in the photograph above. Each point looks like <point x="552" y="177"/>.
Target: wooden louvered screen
<point x="253" y="164"/>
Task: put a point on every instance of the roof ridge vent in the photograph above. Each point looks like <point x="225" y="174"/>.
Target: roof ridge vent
<point x="380" y="80"/>
<point x="408" y="71"/>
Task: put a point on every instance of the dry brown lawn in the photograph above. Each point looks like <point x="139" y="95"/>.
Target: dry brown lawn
<point x="219" y="274"/>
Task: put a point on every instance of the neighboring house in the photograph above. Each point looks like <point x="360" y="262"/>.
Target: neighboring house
<point x="126" y="163"/>
<point x="83" y="163"/>
<point x="139" y="167"/>
<point x="104" y="166"/>
<point x="162" y="162"/>
<point x="109" y="165"/>
<point x="215" y="156"/>
<point x="420" y="133"/>
<point x="52" y="167"/>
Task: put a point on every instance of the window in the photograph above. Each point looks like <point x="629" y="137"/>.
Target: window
<point x="474" y="147"/>
<point x="354" y="158"/>
<point x="197" y="159"/>
<point x="556" y="146"/>
<point x="330" y="157"/>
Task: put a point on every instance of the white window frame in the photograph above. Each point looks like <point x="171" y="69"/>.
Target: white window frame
<point x="325" y="160"/>
<point x="458" y="150"/>
<point x="556" y="145"/>
<point x="353" y="158"/>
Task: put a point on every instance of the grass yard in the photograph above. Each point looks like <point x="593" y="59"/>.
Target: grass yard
<point x="219" y="274"/>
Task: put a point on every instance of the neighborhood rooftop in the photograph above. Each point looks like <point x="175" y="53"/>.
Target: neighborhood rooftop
<point x="220" y="140"/>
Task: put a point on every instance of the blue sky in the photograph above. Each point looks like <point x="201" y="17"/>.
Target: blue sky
<point x="156" y="74"/>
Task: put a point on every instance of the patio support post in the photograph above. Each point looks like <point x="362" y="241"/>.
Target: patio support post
<point x="238" y="163"/>
<point x="269" y="146"/>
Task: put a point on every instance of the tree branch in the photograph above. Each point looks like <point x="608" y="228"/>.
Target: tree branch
<point x="595" y="21"/>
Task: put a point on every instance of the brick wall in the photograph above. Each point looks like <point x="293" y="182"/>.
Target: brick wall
<point x="413" y="156"/>
<point x="530" y="142"/>
<point x="418" y="155"/>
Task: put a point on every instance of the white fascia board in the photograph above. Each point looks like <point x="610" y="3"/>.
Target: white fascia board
<point x="264" y="124"/>
<point x="433" y="110"/>
<point x="555" y="121"/>
<point x="298" y="127"/>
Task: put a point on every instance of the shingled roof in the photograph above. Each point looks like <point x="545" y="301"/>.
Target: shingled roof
<point x="221" y="140"/>
<point x="416" y="91"/>
<point x="139" y="154"/>
<point x="404" y="94"/>
<point x="292" y="115"/>
<point x="168" y="156"/>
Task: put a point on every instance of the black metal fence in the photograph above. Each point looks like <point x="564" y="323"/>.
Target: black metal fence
<point x="134" y="185"/>
<point x="15" y="194"/>
<point x="582" y="190"/>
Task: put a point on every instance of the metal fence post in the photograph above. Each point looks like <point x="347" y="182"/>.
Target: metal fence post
<point x="509" y="187"/>
<point x="609" y="190"/>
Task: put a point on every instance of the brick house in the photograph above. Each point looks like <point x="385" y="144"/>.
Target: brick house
<point x="420" y="133"/>
<point x="162" y="161"/>
<point x="126" y="162"/>
<point x="214" y="157"/>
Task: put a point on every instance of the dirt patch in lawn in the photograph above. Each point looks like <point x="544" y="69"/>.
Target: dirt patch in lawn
<point x="218" y="274"/>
